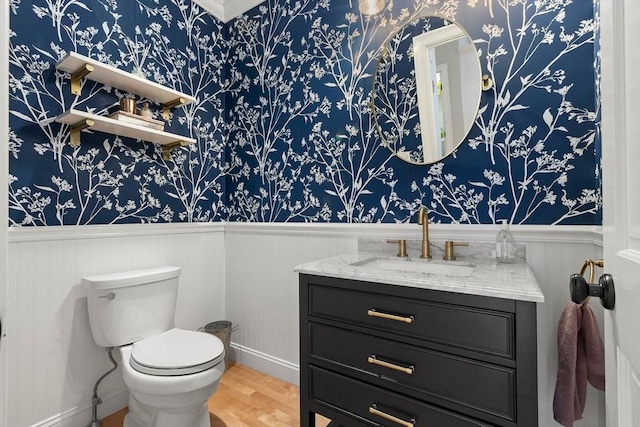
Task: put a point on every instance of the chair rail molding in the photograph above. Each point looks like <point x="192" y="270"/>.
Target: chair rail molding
<point x="471" y="233"/>
<point x="81" y="232"/>
<point x="226" y="10"/>
<point x="410" y="231"/>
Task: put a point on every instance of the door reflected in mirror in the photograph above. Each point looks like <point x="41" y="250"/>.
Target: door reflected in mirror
<point x="426" y="89"/>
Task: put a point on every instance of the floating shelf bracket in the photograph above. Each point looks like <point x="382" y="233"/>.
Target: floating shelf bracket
<point x="173" y="104"/>
<point x="77" y="76"/>
<point x="166" y="149"/>
<point x="77" y="128"/>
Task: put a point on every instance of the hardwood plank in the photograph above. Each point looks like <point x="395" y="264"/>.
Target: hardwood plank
<point x="247" y="398"/>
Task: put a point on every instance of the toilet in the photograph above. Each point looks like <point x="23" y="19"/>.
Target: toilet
<point x="171" y="373"/>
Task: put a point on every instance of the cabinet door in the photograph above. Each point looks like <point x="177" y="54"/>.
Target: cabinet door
<point x="486" y="331"/>
<point x="479" y="389"/>
<point x="376" y="406"/>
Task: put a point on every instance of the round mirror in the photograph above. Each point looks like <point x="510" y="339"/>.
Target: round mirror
<point x="426" y="90"/>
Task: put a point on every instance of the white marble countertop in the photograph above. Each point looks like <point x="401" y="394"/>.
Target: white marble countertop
<point x="510" y="281"/>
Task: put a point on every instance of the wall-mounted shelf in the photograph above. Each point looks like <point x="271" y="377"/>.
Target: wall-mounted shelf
<point x="80" y="66"/>
<point x="80" y="120"/>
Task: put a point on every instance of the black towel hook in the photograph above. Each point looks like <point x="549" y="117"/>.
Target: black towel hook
<point x="580" y="290"/>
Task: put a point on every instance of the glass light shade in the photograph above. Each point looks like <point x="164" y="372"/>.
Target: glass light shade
<point x="370" y="7"/>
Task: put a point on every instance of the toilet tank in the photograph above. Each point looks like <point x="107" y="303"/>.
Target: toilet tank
<point x="130" y="306"/>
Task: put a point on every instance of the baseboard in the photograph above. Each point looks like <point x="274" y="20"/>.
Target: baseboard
<point x="80" y="416"/>
<point x="286" y="371"/>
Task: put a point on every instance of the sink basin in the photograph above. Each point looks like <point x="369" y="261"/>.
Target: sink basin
<point x="459" y="269"/>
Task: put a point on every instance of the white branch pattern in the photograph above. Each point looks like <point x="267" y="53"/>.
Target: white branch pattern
<point x="283" y="122"/>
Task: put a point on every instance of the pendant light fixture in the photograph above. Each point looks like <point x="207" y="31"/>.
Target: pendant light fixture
<point x="370" y="7"/>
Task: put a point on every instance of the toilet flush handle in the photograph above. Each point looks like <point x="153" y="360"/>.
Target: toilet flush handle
<point x="110" y="296"/>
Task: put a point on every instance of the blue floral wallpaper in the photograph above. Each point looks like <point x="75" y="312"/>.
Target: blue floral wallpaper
<point x="108" y="179"/>
<point x="283" y="124"/>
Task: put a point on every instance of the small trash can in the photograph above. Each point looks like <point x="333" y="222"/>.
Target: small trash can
<point x="222" y="329"/>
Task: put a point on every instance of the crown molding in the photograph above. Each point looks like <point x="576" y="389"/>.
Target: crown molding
<point x="226" y="10"/>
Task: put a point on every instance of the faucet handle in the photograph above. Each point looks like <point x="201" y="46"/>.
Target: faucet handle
<point x="402" y="247"/>
<point x="449" y="255"/>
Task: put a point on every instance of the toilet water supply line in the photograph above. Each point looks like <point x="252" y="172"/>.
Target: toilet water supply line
<point x="97" y="400"/>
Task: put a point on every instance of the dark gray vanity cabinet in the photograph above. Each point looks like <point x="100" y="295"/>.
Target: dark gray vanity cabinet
<point x="383" y="355"/>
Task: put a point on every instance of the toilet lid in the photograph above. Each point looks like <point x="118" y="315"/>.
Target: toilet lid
<point x="176" y="352"/>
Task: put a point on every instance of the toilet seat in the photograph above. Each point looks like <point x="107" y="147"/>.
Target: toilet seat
<point x="176" y="352"/>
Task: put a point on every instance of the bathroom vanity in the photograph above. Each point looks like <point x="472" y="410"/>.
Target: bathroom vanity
<point x="386" y="343"/>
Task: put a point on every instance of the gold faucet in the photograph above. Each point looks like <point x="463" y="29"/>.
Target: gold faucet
<point x="449" y="254"/>
<point x="423" y="220"/>
<point x="402" y="247"/>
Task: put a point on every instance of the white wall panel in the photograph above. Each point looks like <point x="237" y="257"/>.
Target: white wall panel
<point x="4" y="186"/>
<point x="239" y="272"/>
<point x="262" y="290"/>
<point x="54" y="361"/>
<point x="552" y="264"/>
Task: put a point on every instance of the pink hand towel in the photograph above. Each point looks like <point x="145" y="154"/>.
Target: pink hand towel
<point x="580" y="359"/>
<point x="594" y="350"/>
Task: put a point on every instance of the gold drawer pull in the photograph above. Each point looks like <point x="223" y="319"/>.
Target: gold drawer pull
<point x="375" y="361"/>
<point x="373" y="409"/>
<point x="373" y="313"/>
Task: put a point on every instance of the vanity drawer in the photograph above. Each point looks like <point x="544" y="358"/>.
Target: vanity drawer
<point x="442" y="377"/>
<point x="363" y="401"/>
<point x="476" y="329"/>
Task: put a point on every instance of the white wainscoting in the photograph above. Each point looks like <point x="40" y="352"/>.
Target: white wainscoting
<point x="4" y="212"/>
<point x="262" y="289"/>
<point x="262" y="293"/>
<point x="53" y="360"/>
<point x="239" y="272"/>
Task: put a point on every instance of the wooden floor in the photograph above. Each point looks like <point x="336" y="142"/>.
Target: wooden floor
<point x="247" y="398"/>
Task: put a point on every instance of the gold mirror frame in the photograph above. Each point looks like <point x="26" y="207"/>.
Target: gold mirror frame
<point x="403" y="115"/>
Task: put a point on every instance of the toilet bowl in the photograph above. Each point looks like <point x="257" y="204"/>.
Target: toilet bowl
<point x="171" y="373"/>
<point x="171" y="377"/>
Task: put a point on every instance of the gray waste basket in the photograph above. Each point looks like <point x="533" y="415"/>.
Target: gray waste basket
<point x="222" y="329"/>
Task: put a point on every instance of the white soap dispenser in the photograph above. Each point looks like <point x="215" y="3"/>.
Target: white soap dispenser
<point x="505" y="245"/>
